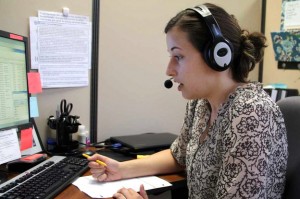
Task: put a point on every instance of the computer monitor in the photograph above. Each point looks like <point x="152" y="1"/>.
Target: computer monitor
<point x="14" y="95"/>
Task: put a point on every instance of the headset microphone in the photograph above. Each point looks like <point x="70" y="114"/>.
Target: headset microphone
<point x="169" y="83"/>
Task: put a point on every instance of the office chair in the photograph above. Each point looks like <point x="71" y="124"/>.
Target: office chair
<point x="290" y="108"/>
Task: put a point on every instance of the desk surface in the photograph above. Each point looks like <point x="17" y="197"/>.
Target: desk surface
<point x="178" y="180"/>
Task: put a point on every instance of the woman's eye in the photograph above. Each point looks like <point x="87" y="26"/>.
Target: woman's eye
<point x="178" y="57"/>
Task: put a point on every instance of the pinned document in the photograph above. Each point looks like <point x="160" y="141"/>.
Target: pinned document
<point x="291" y="15"/>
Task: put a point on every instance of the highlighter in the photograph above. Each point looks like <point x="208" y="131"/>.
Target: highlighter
<point x="98" y="161"/>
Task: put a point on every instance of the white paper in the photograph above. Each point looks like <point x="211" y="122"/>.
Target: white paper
<point x="9" y="146"/>
<point x="292" y="15"/>
<point x="58" y="17"/>
<point x="274" y="95"/>
<point x="97" y="189"/>
<point x="58" y="76"/>
<point x="283" y="94"/>
<point x="61" y="49"/>
<point x="34" y="23"/>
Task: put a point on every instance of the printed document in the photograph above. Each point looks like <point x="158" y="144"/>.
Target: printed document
<point x="61" y="49"/>
<point x="97" y="189"/>
<point x="9" y="146"/>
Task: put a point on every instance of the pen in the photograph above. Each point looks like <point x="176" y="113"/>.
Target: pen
<point x="98" y="161"/>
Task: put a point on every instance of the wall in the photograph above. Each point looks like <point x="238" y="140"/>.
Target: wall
<point x="133" y="60"/>
<point x="270" y="73"/>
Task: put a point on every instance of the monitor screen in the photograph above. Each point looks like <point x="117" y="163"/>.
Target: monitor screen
<point x="14" y="103"/>
<point x="16" y="126"/>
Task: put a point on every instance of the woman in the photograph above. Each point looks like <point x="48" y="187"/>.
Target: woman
<point x="233" y="141"/>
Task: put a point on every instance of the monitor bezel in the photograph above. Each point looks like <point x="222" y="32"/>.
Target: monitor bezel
<point x="38" y="147"/>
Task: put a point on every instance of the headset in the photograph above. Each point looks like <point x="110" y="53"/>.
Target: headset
<point x="218" y="53"/>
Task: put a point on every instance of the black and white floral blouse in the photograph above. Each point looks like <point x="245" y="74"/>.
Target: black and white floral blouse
<point x="245" y="152"/>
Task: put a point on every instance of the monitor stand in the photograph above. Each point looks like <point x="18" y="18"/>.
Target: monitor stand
<point x="73" y="152"/>
<point x="72" y="149"/>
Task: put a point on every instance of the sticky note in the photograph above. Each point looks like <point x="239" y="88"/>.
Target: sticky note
<point x="26" y="139"/>
<point x="34" y="82"/>
<point x="34" y="157"/>
<point x="34" y="110"/>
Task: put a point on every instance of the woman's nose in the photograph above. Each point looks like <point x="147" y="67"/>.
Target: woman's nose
<point x="171" y="68"/>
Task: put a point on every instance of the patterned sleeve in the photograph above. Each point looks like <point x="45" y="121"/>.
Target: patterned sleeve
<point x="178" y="148"/>
<point x="255" y="151"/>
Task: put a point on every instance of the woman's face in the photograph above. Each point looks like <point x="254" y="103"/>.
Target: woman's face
<point x="187" y="66"/>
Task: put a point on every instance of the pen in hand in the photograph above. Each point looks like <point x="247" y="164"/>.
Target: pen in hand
<point x="98" y="161"/>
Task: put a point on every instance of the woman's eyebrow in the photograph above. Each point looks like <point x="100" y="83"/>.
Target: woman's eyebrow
<point x="174" y="48"/>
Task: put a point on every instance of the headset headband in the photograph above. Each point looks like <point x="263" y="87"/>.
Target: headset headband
<point x="219" y="52"/>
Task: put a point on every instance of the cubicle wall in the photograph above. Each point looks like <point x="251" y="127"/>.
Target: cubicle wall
<point x="271" y="73"/>
<point x="132" y="61"/>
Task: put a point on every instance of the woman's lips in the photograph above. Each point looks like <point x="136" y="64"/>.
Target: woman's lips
<point x="180" y="87"/>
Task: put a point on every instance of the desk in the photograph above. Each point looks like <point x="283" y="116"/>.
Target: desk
<point x="178" y="190"/>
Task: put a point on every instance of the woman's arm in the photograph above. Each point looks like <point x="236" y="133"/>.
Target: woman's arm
<point x="158" y="163"/>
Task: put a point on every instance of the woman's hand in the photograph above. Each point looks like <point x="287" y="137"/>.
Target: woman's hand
<point x="102" y="173"/>
<point x="131" y="194"/>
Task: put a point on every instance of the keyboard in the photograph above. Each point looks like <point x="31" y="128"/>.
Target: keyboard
<point x="44" y="180"/>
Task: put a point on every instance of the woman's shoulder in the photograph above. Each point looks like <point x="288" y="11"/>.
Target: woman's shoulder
<point x="251" y="94"/>
<point x="252" y="99"/>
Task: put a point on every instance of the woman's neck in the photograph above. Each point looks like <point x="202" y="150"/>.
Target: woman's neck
<point x="220" y="96"/>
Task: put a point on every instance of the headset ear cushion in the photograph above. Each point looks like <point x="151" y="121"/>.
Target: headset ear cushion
<point x="218" y="55"/>
<point x="209" y="56"/>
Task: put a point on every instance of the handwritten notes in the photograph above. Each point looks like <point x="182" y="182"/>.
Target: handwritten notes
<point x="292" y="15"/>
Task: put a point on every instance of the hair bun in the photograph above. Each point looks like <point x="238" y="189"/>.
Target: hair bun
<point x="252" y="47"/>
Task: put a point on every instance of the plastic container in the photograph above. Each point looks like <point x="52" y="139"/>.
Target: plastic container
<point x="82" y="135"/>
<point x="87" y="139"/>
<point x="51" y="144"/>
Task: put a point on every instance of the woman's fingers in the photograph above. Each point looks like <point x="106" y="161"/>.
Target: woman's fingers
<point x="122" y="194"/>
<point x="131" y="194"/>
<point x="143" y="192"/>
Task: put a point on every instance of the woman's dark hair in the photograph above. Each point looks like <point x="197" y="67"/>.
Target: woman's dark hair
<point x="248" y="47"/>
